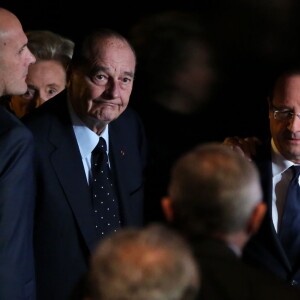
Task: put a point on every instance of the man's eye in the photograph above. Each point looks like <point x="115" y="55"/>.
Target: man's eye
<point x="52" y="91"/>
<point x="286" y="113"/>
<point x="126" y="80"/>
<point x="100" y="77"/>
<point x="29" y="94"/>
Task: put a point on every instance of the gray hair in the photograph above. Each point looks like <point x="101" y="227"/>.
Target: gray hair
<point x="213" y="190"/>
<point x="47" y="45"/>
<point x="153" y="263"/>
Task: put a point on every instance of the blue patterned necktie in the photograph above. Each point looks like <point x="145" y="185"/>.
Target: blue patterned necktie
<point x="105" y="203"/>
<point x="289" y="231"/>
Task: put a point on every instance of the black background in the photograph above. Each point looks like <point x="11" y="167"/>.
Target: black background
<point x="253" y="39"/>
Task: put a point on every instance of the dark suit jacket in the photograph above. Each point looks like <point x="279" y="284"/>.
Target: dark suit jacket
<point x="264" y="249"/>
<point x="226" y="277"/>
<point x="17" y="194"/>
<point x="65" y="232"/>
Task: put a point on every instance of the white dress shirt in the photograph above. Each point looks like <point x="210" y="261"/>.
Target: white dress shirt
<point x="281" y="175"/>
<point x="86" y="140"/>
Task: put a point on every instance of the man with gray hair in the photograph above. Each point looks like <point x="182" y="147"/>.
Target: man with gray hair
<point x="152" y="263"/>
<point x="215" y="200"/>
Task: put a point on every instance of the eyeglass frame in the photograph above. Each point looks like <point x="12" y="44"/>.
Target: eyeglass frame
<point x="290" y="113"/>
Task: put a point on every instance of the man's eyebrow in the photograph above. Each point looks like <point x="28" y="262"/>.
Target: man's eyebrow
<point x="96" y="69"/>
<point x="130" y="74"/>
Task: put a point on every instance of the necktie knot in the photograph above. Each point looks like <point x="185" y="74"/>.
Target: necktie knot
<point x="101" y="146"/>
<point x="99" y="158"/>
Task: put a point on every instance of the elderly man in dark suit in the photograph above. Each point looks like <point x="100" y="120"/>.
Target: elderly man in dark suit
<point x="16" y="168"/>
<point x="70" y="217"/>
<point x="215" y="200"/>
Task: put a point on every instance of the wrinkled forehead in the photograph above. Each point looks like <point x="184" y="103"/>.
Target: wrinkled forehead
<point x="111" y="49"/>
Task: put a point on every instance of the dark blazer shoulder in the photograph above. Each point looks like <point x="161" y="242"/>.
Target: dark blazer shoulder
<point x="226" y="276"/>
<point x="12" y="126"/>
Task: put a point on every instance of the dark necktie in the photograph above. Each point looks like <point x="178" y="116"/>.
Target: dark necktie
<point x="104" y="197"/>
<point x="289" y="231"/>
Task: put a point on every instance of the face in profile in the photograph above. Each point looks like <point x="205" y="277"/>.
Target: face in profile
<point x="15" y="56"/>
<point x="286" y="132"/>
<point x="100" y="89"/>
<point x="45" y="79"/>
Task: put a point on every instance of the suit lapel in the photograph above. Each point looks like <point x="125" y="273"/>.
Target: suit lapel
<point x="118" y="157"/>
<point x="66" y="161"/>
<point x="126" y="160"/>
<point x="264" y="164"/>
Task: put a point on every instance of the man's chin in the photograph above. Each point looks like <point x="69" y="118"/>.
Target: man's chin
<point x="106" y="116"/>
<point x="21" y="90"/>
<point x="292" y="152"/>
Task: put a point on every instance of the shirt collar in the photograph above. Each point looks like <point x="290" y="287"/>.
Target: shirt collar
<point x="279" y="163"/>
<point x="86" y="138"/>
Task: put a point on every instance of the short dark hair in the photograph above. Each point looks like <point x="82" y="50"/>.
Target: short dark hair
<point x="287" y="71"/>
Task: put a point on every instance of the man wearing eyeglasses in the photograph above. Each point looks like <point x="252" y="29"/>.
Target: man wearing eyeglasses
<point x="276" y="159"/>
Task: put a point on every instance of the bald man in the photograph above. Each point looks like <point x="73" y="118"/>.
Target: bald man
<point x="17" y="187"/>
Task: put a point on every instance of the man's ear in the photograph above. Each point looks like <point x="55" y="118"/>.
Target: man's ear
<point x="256" y="218"/>
<point x="166" y="205"/>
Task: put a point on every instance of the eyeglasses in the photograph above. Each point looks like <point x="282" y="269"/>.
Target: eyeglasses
<point x="283" y="115"/>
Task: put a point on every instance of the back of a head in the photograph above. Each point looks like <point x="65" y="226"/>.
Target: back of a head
<point x="153" y="263"/>
<point x="47" y="45"/>
<point x="214" y="190"/>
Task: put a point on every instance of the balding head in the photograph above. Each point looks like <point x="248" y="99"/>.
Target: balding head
<point x="214" y="191"/>
<point x="8" y="21"/>
<point x="15" y="57"/>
